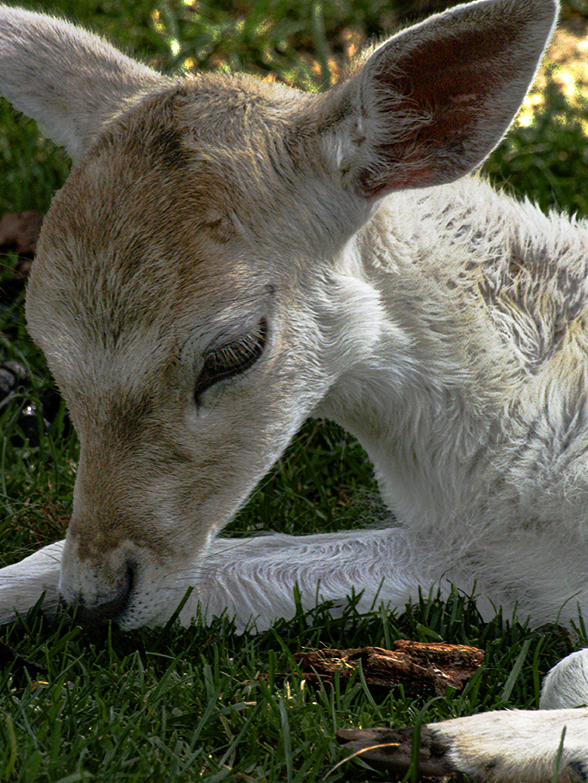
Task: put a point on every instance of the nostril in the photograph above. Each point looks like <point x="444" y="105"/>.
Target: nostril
<point x="110" y="609"/>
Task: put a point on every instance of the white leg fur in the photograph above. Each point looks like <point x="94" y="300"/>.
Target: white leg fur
<point x="524" y="745"/>
<point x="515" y="746"/>
<point x="566" y="685"/>
<point x="518" y="746"/>
<point x="23" y="584"/>
<point x="253" y="579"/>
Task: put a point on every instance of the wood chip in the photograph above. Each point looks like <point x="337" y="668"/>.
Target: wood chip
<point x="421" y="667"/>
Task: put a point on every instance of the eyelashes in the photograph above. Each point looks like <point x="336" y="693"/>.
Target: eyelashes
<point x="231" y="359"/>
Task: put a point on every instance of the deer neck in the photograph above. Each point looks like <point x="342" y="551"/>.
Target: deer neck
<point x="430" y="378"/>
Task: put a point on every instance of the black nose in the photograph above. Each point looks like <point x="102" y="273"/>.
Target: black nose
<point x="100" y="613"/>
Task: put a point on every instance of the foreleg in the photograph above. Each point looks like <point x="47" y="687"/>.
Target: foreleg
<point x="509" y="746"/>
<point x="255" y="578"/>
<point x="22" y="584"/>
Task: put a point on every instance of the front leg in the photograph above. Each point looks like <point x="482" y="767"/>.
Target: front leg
<point x="255" y="578"/>
<point x="507" y="746"/>
<point x="22" y="584"/>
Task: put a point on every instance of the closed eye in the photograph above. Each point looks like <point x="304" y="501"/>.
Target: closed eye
<point x="231" y="359"/>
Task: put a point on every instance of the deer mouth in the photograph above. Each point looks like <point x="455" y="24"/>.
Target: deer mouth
<point x="112" y="608"/>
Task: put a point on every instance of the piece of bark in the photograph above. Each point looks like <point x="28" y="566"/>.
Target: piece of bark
<point x="420" y="667"/>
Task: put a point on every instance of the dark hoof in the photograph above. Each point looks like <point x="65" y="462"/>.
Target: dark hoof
<point x="390" y="750"/>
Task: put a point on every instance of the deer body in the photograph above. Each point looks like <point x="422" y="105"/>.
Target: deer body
<point x="229" y="257"/>
<point x="463" y="442"/>
<point x="483" y="407"/>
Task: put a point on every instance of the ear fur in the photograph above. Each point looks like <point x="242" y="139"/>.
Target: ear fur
<point x="433" y="101"/>
<point x="66" y="78"/>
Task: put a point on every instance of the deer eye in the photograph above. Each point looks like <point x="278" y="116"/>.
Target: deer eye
<point x="231" y="359"/>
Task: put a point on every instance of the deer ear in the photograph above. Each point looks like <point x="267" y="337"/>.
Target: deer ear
<point x="432" y="102"/>
<point x="66" y="78"/>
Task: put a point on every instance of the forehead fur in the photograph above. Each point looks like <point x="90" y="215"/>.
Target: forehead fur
<point x="150" y="217"/>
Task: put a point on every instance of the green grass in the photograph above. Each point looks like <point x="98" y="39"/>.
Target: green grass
<point x="203" y="703"/>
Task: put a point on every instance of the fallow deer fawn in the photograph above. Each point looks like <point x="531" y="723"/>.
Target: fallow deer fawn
<point x="230" y="257"/>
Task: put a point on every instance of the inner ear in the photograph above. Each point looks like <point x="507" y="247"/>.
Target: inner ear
<point x="431" y="103"/>
<point x="441" y="97"/>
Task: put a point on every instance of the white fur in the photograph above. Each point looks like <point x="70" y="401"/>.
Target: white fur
<point x="510" y="746"/>
<point x="566" y="685"/>
<point x="440" y="322"/>
<point x="519" y="745"/>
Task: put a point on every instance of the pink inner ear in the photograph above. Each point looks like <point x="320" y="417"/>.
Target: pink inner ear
<point x="450" y="83"/>
<point x="438" y="70"/>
